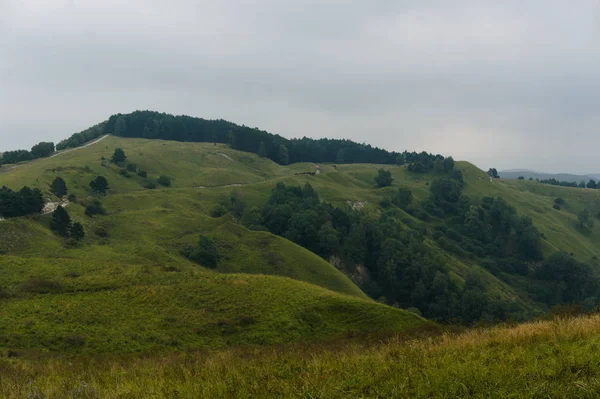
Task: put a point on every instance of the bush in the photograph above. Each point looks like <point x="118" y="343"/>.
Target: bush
<point x="142" y="173"/>
<point x="101" y="232"/>
<point x="72" y="198"/>
<point x="556" y="206"/>
<point x="218" y="211"/>
<point x="164" y="181"/>
<point x="95" y="208"/>
<point x="131" y="167"/>
<point x="204" y="253"/>
<point x="150" y="185"/>
<point x="559" y="201"/>
<point x="124" y="172"/>
<point x="383" y="178"/>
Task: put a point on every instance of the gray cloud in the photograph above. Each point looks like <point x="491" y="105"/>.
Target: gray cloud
<point x="501" y="84"/>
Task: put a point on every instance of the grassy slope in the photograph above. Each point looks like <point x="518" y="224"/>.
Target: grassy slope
<point x="551" y="359"/>
<point x="148" y="228"/>
<point x="133" y="291"/>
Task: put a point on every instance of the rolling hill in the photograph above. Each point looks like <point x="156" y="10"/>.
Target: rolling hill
<point x="526" y="173"/>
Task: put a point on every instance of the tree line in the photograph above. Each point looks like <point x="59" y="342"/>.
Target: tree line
<point x="155" y="125"/>
<point x="40" y="150"/>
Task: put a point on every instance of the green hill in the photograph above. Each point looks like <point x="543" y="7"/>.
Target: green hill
<point x="127" y="287"/>
<point x="140" y="241"/>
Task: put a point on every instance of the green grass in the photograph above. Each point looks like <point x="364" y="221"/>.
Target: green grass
<point x="550" y="359"/>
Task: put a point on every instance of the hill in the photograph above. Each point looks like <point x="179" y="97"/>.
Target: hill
<point x="527" y="174"/>
<point x="128" y="288"/>
<point x="156" y="225"/>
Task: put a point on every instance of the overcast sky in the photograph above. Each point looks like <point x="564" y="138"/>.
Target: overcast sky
<point x="501" y="83"/>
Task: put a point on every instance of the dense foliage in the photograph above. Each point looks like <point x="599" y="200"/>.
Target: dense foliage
<point x="154" y="125"/>
<point x="59" y="187"/>
<point x="26" y="201"/>
<point x="79" y="139"/>
<point x="39" y="150"/>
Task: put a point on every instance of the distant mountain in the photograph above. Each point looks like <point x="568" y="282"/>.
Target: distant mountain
<point x="526" y="173"/>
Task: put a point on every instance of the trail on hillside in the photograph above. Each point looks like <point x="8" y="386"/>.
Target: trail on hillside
<point x="11" y="168"/>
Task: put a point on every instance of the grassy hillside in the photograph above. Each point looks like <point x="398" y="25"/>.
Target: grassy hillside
<point x="549" y="359"/>
<point x="127" y="288"/>
<point x="139" y="241"/>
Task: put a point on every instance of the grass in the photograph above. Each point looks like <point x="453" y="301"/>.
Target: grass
<point x="546" y="359"/>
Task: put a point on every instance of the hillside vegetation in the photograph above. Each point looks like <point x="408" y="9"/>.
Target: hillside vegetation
<point x="126" y="287"/>
<point x="147" y="227"/>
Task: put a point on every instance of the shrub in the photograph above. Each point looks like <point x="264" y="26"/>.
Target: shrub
<point x="383" y="178"/>
<point x="559" y="201"/>
<point x="218" y="211"/>
<point x="164" y="180"/>
<point x="142" y="173"/>
<point x="95" y="208"/>
<point x="124" y="172"/>
<point x="556" y="206"/>
<point x="204" y="253"/>
<point x="131" y="167"/>
<point x="150" y="185"/>
<point x="101" y="232"/>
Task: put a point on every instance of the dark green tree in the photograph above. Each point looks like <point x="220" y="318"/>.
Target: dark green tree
<point x="76" y="231"/>
<point x="99" y="185"/>
<point x="493" y="173"/>
<point x="284" y="156"/>
<point x="59" y="187"/>
<point x="118" y="156"/>
<point x="592" y="184"/>
<point x="61" y="222"/>
<point x="262" y="150"/>
<point x="402" y="198"/>
<point x="383" y="178"/>
<point x="400" y="160"/>
<point x="448" y="164"/>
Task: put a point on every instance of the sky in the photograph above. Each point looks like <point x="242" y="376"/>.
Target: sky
<point x="510" y="84"/>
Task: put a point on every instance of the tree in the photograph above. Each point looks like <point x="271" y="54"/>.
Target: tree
<point x="448" y="164"/>
<point x="581" y="184"/>
<point x="383" y="178"/>
<point x="61" y="222"/>
<point x="284" y="156"/>
<point x="400" y="160"/>
<point x="164" y="180"/>
<point x="42" y="149"/>
<point x="118" y="156"/>
<point x="121" y="126"/>
<point x="328" y="239"/>
<point x="59" y="187"/>
<point x="592" y="184"/>
<point x="99" y="185"/>
<point x="493" y="173"/>
<point x="521" y="178"/>
<point x="402" y="198"/>
<point x="340" y="156"/>
<point x="262" y="150"/>
<point x="76" y="231"/>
